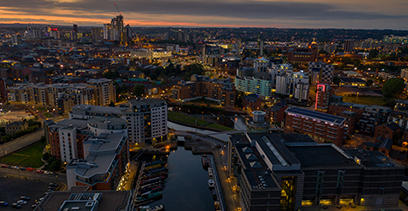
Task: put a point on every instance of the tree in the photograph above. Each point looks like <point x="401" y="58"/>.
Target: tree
<point x="111" y="74"/>
<point x="192" y="69"/>
<point x="369" y="82"/>
<point x="393" y="87"/>
<point x="138" y="90"/>
<point x="374" y="53"/>
<point x="336" y="80"/>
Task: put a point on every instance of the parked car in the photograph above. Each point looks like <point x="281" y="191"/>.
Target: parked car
<point x="16" y="205"/>
<point x="22" y="202"/>
<point x="51" y="184"/>
<point x="3" y="204"/>
<point x="25" y="198"/>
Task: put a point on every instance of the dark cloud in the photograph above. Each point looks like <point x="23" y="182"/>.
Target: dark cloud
<point x="247" y="11"/>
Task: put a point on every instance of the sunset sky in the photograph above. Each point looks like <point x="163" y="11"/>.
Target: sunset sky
<point x="371" y="14"/>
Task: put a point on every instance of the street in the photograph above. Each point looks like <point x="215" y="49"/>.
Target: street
<point x="13" y="188"/>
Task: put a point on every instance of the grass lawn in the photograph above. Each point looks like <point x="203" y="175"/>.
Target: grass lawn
<point x="26" y="157"/>
<point x="203" y="101"/>
<point x="185" y="119"/>
<point x="365" y="100"/>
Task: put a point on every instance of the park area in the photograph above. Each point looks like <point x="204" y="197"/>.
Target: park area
<point x="365" y="100"/>
<point x="27" y="157"/>
<point x="188" y="120"/>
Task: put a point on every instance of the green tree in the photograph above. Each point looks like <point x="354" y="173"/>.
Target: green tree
<point x="369" y="82"/>
<point x="336" y="80"/>
<point x="138" y="90"/>
<point x="393" y="87"/>
<point x="192" y="69"/>
<point x="374" y="53"/>
<point x="111" y="74"/>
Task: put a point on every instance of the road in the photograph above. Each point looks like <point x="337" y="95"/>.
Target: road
<point x="14" y="188"/>
<point x="21" y="142"/>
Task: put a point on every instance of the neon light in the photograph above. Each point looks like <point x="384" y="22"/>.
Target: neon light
<point x="317" y="92"/>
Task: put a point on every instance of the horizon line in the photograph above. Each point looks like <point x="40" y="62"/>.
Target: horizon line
<point x="212" y="26"/>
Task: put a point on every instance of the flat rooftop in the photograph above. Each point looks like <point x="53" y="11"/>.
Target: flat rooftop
<point x="109" y="201"/>
<point x="103" y="110"/>
<point x="147" y="102"/>
<point x="321" y="156"/>
<point x="77" y="123"/>
<point x="316" y="115"/>
<point x="102" y="154"/>
<point x="371" y="159"/>
<point x="260" y="180"/>
<point x="255" y="169"/>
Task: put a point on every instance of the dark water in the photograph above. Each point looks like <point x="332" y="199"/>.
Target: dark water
<point x="187" y="185"/>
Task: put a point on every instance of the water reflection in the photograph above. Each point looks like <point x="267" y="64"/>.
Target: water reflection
<point x="187" y="185"/>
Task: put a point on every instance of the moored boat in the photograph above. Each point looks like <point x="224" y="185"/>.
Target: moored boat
<point x="211" y="183"/>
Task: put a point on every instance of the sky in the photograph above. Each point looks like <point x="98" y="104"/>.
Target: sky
<point x="356" y="14"/>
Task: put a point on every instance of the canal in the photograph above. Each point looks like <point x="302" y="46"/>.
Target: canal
<point x="186" y="187"/>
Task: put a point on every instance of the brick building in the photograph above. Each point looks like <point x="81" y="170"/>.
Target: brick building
<point x="322" y="127"/>
<point x="221" y="91"/>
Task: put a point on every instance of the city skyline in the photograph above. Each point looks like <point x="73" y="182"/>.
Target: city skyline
<point x="364" y="14"/>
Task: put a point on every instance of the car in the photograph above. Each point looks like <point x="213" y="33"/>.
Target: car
<point x="4" y="165"/>
<point x="3" y="204"/>
<point x="48" y="172"/>
<point x="25" y="198"/>
<point x="22" y="202"/>
<point x="16" y="205"/>
<point x="52" y="185"/>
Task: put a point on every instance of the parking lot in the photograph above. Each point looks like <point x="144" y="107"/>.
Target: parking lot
<point x="12" y="189"/>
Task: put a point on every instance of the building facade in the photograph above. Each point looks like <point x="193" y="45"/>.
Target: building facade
<point x="322" y="127"/>
<point x="281" y="171"/>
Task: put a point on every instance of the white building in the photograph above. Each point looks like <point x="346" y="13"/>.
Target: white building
<point x="72" y="132"/>
<point x="147" y="120"/>
<point x="293" y="84"/>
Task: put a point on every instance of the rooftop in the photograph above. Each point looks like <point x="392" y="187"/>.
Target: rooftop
<point x="147" y="102"/>
<point x="95" y="110"/>
<point x="74" y="123"/>
<point x="106" y="201"/>
<point x="100" y="155"/>
<point x="273" y="147"/>
<point x="99" y="80"/>
<point x="321" y="156"/>
<point x="370" y="159"/>
<point x="109" y="123"/>
<point x="338" y="120"/>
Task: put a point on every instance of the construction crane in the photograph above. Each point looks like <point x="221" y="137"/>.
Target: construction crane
<point x="117" y="8"/>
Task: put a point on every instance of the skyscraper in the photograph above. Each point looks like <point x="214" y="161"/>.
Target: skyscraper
<point x="116" y="31"/>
